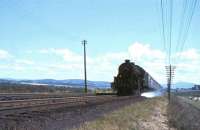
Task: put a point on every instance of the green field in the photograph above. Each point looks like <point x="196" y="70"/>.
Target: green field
<point x="185" y="96"/>
<point x="189" y="93"/>
<point x="192" y="102"/>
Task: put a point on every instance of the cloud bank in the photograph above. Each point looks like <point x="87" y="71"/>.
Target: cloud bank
<point x="64" y="63"/>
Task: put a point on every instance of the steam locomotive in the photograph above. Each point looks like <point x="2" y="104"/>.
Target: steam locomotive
<point x="133" y="79"/>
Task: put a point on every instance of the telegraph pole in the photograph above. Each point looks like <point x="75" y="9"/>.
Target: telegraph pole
<point x="84" y="42"/>
<point x="170" y="74"/>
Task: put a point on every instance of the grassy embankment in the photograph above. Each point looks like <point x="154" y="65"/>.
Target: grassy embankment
<point x="144" y="115"/>
<point x="183" y="113"/>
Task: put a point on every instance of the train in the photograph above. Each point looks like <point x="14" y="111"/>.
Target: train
<point x="133" y="80"/>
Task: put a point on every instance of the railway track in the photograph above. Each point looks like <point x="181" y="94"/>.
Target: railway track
<point x="47" y="103"/>
<point x="23" y="96"/>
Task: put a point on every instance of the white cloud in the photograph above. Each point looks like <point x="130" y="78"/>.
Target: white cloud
<point x="65" y="53"/>
<point x="18" y="67"/>
<point x="140" y="51"/>
<point x="154" y="60"/>
<point x="187" y="66"/>
<point x="191" y="54"/>
<point x="100" y="67"/>
<point x="24" y="61"/>
<point x="105" y="66"/>
<point x="4" y="54"/>
<point x="44" y="51"/>
<point x="108" y="57"/>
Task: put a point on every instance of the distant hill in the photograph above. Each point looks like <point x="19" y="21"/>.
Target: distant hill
<point x="80" y="83"/>
<point x="67" y="82"/>
<point x="185" y="85"/>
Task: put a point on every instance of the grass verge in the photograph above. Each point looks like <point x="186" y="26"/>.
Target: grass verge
<point x="134" y="117"/>
<point x="183" y="115"/>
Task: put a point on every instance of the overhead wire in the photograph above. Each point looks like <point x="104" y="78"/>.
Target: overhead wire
<point x="170" y="34"/>
<point x="189" y="9"/>
<point x="167" y="22"/>
<point x="163" y="24"/>
<point x="167" y="18"/>
<point x="187" y="14"/>
<point x="185" y="3"/>
<point x="185" y="35"/>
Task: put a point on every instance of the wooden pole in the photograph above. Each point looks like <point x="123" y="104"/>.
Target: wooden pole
<point x="84" y="42"/>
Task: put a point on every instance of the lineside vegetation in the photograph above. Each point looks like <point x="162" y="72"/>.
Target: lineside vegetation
<point x="137" y="116"/>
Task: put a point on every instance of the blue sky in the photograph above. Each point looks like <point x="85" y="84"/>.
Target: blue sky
<point x="41" y="38"/>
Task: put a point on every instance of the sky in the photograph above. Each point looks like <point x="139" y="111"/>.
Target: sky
<point x="41" y="39"/>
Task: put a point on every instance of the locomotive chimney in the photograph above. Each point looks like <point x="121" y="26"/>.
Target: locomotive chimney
<point x="127" y="61"/>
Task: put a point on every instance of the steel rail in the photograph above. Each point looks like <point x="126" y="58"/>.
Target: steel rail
<point x="30" y="103"/>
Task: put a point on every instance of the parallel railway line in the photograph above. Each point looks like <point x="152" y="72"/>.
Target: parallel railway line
<point x="22" y="96"/>
<point x="47" y="103"/>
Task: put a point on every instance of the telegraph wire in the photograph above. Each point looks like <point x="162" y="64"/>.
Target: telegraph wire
<point x="170" y="34"/>
<point x="167" y="21"/>
<point x="191" y="8"/>
<point x="163" y="25"/>
<point x="185" y="3"/>
<point x="188" y="24"/>
<point x="168" y="38"/>
<point x="188" y="9"/>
